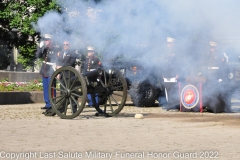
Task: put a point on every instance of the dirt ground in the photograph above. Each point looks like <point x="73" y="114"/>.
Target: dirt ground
<point x="27" y="134"/>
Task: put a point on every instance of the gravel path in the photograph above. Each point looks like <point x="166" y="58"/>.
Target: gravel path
<point x="27" y="134"/>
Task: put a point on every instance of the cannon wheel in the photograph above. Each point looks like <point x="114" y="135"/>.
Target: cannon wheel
<point x="116" y="84"/>
<point x="143" y="94"/>
<point x="72" y="91"/>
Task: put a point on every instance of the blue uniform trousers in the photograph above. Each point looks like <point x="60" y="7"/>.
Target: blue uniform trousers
<point x="46" y="83"/>
<point x="90" y="102"/>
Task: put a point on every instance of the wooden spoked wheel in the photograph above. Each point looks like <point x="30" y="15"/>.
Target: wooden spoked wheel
<point x="71" y="92"/>
<point x="115" y="98"/>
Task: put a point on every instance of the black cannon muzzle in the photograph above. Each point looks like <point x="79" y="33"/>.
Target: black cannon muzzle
<point x="94" y="73"/>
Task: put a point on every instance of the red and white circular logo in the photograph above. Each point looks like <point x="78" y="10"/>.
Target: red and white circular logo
<point x="189" y="96"/>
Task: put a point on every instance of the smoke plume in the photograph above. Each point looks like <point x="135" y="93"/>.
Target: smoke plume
<point x="140" y="28"/>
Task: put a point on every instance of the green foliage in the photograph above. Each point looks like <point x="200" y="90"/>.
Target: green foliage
<point x="26" y="50"/>
<point x="4" y="80"/>
<point x="20" y="15"/>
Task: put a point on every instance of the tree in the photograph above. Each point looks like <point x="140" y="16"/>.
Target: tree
<point x="18" y="15"/>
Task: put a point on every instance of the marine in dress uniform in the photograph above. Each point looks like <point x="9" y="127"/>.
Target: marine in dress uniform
<point x="170" y="73"/>
<point x="217" y="94"/>
<point x="48" y="54"/>
<point x="215" y="63"/>
<point x="169" y="61"/>
<point x="91" y="63"/>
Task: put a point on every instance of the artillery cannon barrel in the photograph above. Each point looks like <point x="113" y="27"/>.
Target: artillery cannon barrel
<point x="93" y="73"/>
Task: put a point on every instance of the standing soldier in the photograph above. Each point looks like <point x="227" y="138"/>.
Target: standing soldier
<point x="215" y="63"/>
<point x="170" y="65"/>
<point x="217" y="94"/>
<point x="48" y="53"/>
<point x="92" y="63"/>
<point x="169" y="62"/>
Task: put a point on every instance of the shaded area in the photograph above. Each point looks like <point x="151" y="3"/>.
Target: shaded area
<point x="16" y="97"/>
<point x="228" y="119"/>
<point x="21" y="97"/>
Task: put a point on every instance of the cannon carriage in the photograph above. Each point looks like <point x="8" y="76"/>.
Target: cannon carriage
<point x="107" y="83"/>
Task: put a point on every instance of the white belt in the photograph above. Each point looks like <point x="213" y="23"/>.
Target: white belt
<point x="49" y="63"/>
<point x="213" y="67"/>
<point x="52" y="64"/>
<point x="170" y="80"/>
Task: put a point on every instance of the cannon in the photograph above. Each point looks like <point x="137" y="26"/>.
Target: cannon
<point x="108" y="83"/>
<point x="144" y="83"/>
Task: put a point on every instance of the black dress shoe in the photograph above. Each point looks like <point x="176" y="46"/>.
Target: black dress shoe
<point x="47" y="108"/>
<point x="49" y="112"/>
<point x="102" y="114"/>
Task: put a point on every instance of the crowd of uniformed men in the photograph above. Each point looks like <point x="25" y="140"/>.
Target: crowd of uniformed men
<point x="171" y="62"/>
<point x="212" y="65"/>
<point x="55" y="57"/>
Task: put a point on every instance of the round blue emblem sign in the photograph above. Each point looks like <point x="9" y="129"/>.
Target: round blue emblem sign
<point x="189" y="96"/>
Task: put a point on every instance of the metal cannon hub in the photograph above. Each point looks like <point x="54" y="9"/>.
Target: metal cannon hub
<point x="67" y="93"/>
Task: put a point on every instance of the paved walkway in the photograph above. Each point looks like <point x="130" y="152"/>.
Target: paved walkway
<point x="27" y="134"/>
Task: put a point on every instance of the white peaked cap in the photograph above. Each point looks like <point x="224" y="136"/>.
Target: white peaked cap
<point x="90" y="48"/>
<point x="47" y="36"/>
<point x="213" y="44"/>
<point x="170" y="40"/>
